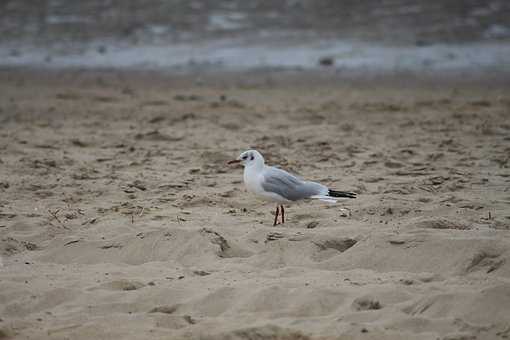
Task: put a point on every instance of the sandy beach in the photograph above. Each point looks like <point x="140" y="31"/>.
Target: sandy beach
<point x="119" y="218"/>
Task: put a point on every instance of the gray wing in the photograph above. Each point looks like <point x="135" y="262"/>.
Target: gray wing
<point x="288" y="186"/>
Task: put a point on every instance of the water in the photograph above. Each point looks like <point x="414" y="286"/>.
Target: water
<point x="387" y="35"/>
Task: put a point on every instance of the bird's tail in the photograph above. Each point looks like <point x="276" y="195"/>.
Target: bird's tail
<point x="344" y="194"/>
<point x="333" y="196"/>
<point x="328" y="199"/>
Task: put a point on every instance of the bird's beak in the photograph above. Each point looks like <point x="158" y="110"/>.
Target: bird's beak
<point x="235" y="161"/>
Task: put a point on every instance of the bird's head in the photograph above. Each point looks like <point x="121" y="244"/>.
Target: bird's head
<point x="249" y="158"/>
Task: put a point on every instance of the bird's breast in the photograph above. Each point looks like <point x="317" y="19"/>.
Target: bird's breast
<point x="252" y="181"/>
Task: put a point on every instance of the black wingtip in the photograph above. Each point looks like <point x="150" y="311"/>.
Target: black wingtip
<point x="346" y="194"/>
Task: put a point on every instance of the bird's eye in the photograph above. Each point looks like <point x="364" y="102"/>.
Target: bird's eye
<point x="251" y="157"/>
<point x="245" y="157"/>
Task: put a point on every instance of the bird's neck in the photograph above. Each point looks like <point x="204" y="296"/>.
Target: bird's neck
<point x="254" y="168"/>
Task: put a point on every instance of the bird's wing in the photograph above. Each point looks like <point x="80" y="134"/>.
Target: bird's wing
<point x="289" y="186"/>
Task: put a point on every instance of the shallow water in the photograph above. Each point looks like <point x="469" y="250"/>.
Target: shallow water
<point x="385" y="36"/>
<point x="231" y="54"/>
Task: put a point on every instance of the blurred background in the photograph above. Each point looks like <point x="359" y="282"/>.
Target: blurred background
<point x="383" y="34"/>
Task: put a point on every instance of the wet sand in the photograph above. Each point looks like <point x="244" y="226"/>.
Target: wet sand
<point x="120" y="219"/>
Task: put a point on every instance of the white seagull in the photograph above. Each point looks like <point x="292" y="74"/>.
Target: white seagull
<point x="276" y="185"/>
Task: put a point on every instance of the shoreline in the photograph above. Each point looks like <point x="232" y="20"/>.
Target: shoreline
<point x="239" y="55"/>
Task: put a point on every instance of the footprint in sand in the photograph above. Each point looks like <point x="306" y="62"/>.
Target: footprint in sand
<point x="122" y="284"/>
<point x="366" y="303"/>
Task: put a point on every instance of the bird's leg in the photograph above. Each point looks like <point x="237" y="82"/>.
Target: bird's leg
<point x="276" y="215"/>
<point x="283" y="214"/>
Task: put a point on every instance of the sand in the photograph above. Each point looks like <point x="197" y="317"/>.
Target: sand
<point x="119" y="218"/>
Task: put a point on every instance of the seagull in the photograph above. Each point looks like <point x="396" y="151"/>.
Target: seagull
<point x="276" y="185"/>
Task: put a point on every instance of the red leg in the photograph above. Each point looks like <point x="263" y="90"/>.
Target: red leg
<point x="276" y="215"/>
<point x="283" y="214"/>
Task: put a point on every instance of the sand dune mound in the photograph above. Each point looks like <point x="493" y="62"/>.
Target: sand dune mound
<point x="477" y="307"/>
<point x="182" y="246"/>
<point x="426" y="252"/>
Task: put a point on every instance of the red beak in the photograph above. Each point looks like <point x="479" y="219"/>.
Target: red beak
<point x="235" y="161"/>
